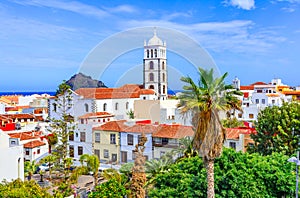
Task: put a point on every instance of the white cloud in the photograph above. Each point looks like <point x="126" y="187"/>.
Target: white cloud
<point x="243" y="4"/>
<point x="122" y="8"/>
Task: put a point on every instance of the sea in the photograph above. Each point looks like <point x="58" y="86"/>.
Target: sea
<point x="27" y="93"/>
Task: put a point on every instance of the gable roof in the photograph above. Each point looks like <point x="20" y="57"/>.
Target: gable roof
<point x="251" y="87"/>
<point x="34" y="143"/>
<point x="102" y="114"/>
<point x="173" y="131"/>
<point x="126" y="91"/>
<point x="234" y="133"/>
<point x="117" y="126"/>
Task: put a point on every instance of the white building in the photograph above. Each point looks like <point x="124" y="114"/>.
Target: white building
<point x="155" y="66"/>
<point x="12" y="160"/>
<point x="2" y="108"/>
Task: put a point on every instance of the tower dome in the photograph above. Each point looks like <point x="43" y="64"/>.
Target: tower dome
<point x="155" y="40"/>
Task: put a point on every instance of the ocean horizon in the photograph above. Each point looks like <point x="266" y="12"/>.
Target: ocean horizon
<point x="26" y="93"/>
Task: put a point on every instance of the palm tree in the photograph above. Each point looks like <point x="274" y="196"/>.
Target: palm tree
<point x="92" y="163"/>
<point x="50" y="159"/>
<point x="30" y="168"/>
<point x="205" y="100"/>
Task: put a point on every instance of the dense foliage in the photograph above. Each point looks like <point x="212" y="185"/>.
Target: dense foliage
<point x="236" y="175"/>
<point x="20" y="189"/>
<point x="110" y="189"/>
<point x="277" y="129"/>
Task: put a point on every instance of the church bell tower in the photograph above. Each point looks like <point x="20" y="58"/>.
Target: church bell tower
<point x="155" y="66"/>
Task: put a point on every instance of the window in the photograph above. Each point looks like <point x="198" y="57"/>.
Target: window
<point x="273" y="101"/>
<point x="104" y="107"/>
<point x="71" y="150"/>
<point x="133" y="154"/>
<point x="54" y="107"/>
<point x="82" y="136"/>
<point x="151" y="65"/>
<point x="112" y="138"/>
<point x="259" y="91"/>
<point x="151" y="87"/>
<point x="151" y="77"/>
<point x="27" y="151"/>
<point x="97" y="137"/>
<point x="106" y="153"/>
<point x="155" y="53"/>
<point x="251" y="116"/>
<point x="164" y="89"/>
<point x="232" y="145"/>
<point x="240" y="115"/>
<point x="139" y="139"/>
<point x="163" y="65"/>
<point x="13" y="142"/>
<point x="130" y="139"/>
<point x="152" y="53"/>
<point x="82" y="121"/>
<point x="80" y="150"/>
<point x="257" y="101"/>
<point x="165" y="141"/>
<point x="38" y="151"/>
<point x="116" y="106"/>
<point x="71" y="136"/>
<point x="86" y="106"/>
<point x="127" y="105"/>
<point x="164" y="77"/>
<point x="147" y="53"/>
<point x="263" y="101"/>
<point x="97" y="153"/>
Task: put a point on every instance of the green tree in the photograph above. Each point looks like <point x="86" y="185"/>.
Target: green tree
<point x="278" y="129"/>
<point x="205" y="99"/>
<point x="20" y="189"/>
<point x="93" y="164"/>
<point x="232" y="123"/>
<point x="50" y="160"/>
<point x="30" y="168"/>
<point x="62" y="127"/>
<point x="236" y="175"/>
<point x="112" y="188"/>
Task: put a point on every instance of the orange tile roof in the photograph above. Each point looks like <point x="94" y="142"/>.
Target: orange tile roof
<point x="251" y="87"/>
<point x="117" y="126"/>
<point x="19" y="116"/>
<point x="21" y="136"/>
<point x="126" y="91"/>
<point x="233" y="133"/>
<point x="297" y="92"/>
<point x="96" y="115"/>
<point x="173" y="131"/>
<point x="272" y="95"/>
<point x="138" y="128"/>
<point x="33" y="144"/>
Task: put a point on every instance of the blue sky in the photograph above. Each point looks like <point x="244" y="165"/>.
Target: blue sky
<point x="44" y="42"/>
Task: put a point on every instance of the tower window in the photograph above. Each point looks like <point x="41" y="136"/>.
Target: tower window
<point x="163" y="65"/>
<point x="147" y="53"/>
<point x="151" y="87"/>
<point x="151" y="77"/>
<point x="152" y="53"/>
<point x="155" y="53"/>
<point x="151" y="65"/>
<point x="164" y="77"/>
<point x="164" y="89"/>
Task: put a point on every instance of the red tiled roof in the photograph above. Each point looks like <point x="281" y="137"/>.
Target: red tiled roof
<point x="97" y="114"/>
<point x="251" y="87"/>
<point x="26" y="135"/>
<point x="117" y="126"/>
<point x="146" y="128"/>
<point x="233" y="133"/>
<point x="126" y="91"/>
<point x="173" y="131"/>
<point x="33" y="144"/>
<point x="19" y="116"/>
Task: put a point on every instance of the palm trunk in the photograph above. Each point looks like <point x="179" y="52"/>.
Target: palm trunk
<point x="210" y="178"/>
<point x="96" y="178"/>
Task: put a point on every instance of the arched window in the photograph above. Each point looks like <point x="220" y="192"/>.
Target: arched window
<point x="163" y="65"/>
<point x="116" y="106"/>
<point x="147" y="53"/>
<point x="164" y="77"/>
<point x="151" y="77"/>
<point x="54" y="107"/>
<point x="151" y="53"/>
<point x="104" y="107"/>
<point x="155" y="53"/>
<point x="164" y="89"/>
<point x="86" y="106"/>
<point x="127" y="105"/>
<point x="151" y="87"/>
<point x="151" y="65"/>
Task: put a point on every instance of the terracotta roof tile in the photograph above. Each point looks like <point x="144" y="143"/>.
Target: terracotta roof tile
<point x="173" y="131"/>
<point x="19" y="116"/>
<point x="96" y="115"/>
<point x="233" y="133"/>
<point x="139" y="128"/>
<point x="33" y="144"/>
<point x="251" y="87"/>
<point x="117" y="126"/>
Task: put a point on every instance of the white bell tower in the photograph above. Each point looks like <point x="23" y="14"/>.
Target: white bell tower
<point x="155" y="66"/>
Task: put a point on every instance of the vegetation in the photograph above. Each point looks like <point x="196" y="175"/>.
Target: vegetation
<point x="29" y="169"/>
<point x="112" y="188"/>
<point x="20" y="189"/>
<point x="278" y="130"/>
<point x="232" y="123"/>
<point x="205" y="99"/>
<point x="93" y="164"/>
<point x="236" y="175"/>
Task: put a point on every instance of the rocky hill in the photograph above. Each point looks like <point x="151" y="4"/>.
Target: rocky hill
<point x="83" y="81"/>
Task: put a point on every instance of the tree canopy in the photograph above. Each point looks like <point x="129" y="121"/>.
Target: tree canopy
<point x="236" y="175"/>
<point x="278" y="129"/>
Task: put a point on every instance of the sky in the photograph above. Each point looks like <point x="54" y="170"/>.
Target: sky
<point x="44" y="42"/>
